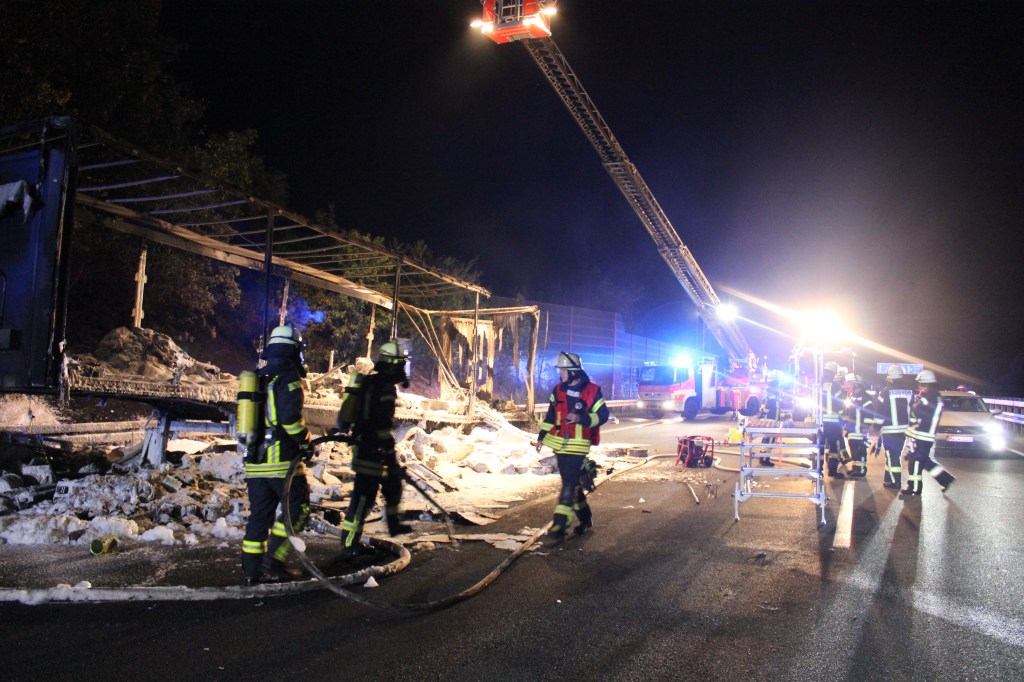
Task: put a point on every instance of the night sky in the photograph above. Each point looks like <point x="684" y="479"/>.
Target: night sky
<point x="864" y="156"/>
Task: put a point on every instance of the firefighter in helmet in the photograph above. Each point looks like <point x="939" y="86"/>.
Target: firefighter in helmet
<point x="285" y="438"/>
<point x="576" y="411"/>
<point x="894" y="402"/>
<point x="859" y="416"/>
<point x="925" y="412"/>
<point x="771" y="409"/>
<point x="832" y="403"/>
<point x="369" y="411"/>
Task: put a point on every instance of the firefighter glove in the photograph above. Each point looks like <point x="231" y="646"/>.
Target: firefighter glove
<point x="306" y="451"/>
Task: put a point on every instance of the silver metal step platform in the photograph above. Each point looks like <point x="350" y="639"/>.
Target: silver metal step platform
<point x="785" y="439"/>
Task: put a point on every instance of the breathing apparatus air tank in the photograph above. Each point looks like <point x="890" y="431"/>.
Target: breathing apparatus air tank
<point x="248" y="422"/>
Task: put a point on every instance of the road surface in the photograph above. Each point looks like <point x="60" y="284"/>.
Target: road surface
<point x="929" y="588"/>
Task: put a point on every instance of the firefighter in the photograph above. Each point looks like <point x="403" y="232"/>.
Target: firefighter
<point x="925" y="412"/>
<point x="833" y="398"/>
<point x="576" y="411"/>
<point x="771" y="409"/>
<point x="894" y="410"/>
<point x="859" y="416"/>
<point x="285" y="438"/>
<point x="369" y="411"/>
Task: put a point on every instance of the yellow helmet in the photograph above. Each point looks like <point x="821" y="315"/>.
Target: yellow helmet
<point x="396" y="351"/>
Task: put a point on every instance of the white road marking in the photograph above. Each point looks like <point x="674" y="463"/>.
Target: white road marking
<point x="844" y="521"/>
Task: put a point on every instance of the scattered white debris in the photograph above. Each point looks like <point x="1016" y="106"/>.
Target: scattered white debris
<point x="370" y="582"/>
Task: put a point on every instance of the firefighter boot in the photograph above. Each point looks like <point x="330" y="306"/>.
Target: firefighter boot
<point x="396" y="527"/>
<point x="585" y="518"/>
<point x="274" y="569"/>
<point x="560" y="524"/>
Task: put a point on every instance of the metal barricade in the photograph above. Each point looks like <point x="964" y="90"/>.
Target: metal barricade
<point x="803" y="441"/>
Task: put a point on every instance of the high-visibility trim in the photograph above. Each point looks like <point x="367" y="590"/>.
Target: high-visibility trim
<point x="894" y="429"/>
<point x="862" y="465"/>
<point x="267" y="470"/>
<point x="279" y="530"/>
<point x="254" y="547"/>
<point x="368" y="467"/>
<point x="937" y="470"/>
<point x="892" y="469"/>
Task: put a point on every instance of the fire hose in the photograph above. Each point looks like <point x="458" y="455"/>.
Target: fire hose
<point x="299" y="546"/>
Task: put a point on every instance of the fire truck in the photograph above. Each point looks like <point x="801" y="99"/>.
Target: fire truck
<point x="690" y="388"/>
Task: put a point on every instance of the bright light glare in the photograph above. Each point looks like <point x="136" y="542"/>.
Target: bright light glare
<point x="549" y="11"/>
<point x="823" y="326"/>
<point x="726" y="312"/>
<point x="682" y="361"/>
<point x="668" y="405"/>
<point x="477" y="23"/>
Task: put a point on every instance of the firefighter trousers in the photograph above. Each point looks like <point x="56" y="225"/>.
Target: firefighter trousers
<point x="920" y="459"/>
<point x="833" y="434"/>
<point x="859" y="454"/>
<point x="364" y="495"/>
<point x="265" y="494"/>
<point x="892" y="443"/>
<point x="572" y="501"/>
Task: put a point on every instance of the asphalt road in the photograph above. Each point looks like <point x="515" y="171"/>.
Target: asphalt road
<point x="665" y="588"/>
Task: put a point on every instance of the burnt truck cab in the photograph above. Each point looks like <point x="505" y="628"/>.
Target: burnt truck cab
<point x="688" y="389"/>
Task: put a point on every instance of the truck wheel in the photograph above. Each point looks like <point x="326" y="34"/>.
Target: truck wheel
<point x="690" y="409"/>
<point x="753" y="407"/>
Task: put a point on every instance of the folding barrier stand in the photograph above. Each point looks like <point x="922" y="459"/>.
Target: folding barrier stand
<point x="754" y="431"/>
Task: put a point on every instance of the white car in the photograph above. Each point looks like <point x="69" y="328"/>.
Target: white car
<point x="968" y="423"/>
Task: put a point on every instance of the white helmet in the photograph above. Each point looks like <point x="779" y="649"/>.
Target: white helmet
<point x="926" y="377"/>
<point x="285" y="334"/>
<point x="893" y="373"/>
<point x="569" y="361"/>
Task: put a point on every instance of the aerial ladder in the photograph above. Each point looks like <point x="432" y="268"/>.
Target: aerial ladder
<point x="529" y="22"/>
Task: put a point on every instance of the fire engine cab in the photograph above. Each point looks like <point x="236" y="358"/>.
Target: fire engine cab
<point x="690" y="389"/>
<point x="505" y="21"/>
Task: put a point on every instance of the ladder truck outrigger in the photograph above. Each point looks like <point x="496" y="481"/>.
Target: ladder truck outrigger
<point x="529" y="22"/>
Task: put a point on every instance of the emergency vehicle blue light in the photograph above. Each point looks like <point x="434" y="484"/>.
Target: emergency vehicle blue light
<point x="682" y="361"/>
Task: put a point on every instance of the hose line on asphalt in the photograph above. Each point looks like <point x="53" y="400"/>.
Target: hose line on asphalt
<point x="397" y="549"/>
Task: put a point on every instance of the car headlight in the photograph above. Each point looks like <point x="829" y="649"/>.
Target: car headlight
<point x="668" y="405"/>
<point x="640" y="404"/>
<point x="993" y="428"/>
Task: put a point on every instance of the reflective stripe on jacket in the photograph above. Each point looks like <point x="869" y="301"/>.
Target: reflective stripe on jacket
<point x="286" y="428"/>
<point x="577" y="438"/>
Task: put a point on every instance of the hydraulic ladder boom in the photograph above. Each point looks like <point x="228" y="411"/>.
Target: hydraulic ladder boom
<point x="672" y="249"/>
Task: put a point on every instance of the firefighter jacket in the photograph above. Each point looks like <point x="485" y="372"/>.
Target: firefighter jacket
<point x="925" y="414"/>
<point x="833" y="399"/>
<point x="859" y="414"/>
<point x="286" y="433"/>
<point x="372" y="411"/>
<point x="586" y="401"/>
<point x="894" y="409"/>
<point x="772" y="408"/>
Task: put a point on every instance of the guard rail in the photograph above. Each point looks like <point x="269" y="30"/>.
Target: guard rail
<point x="1012" y="412"/>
